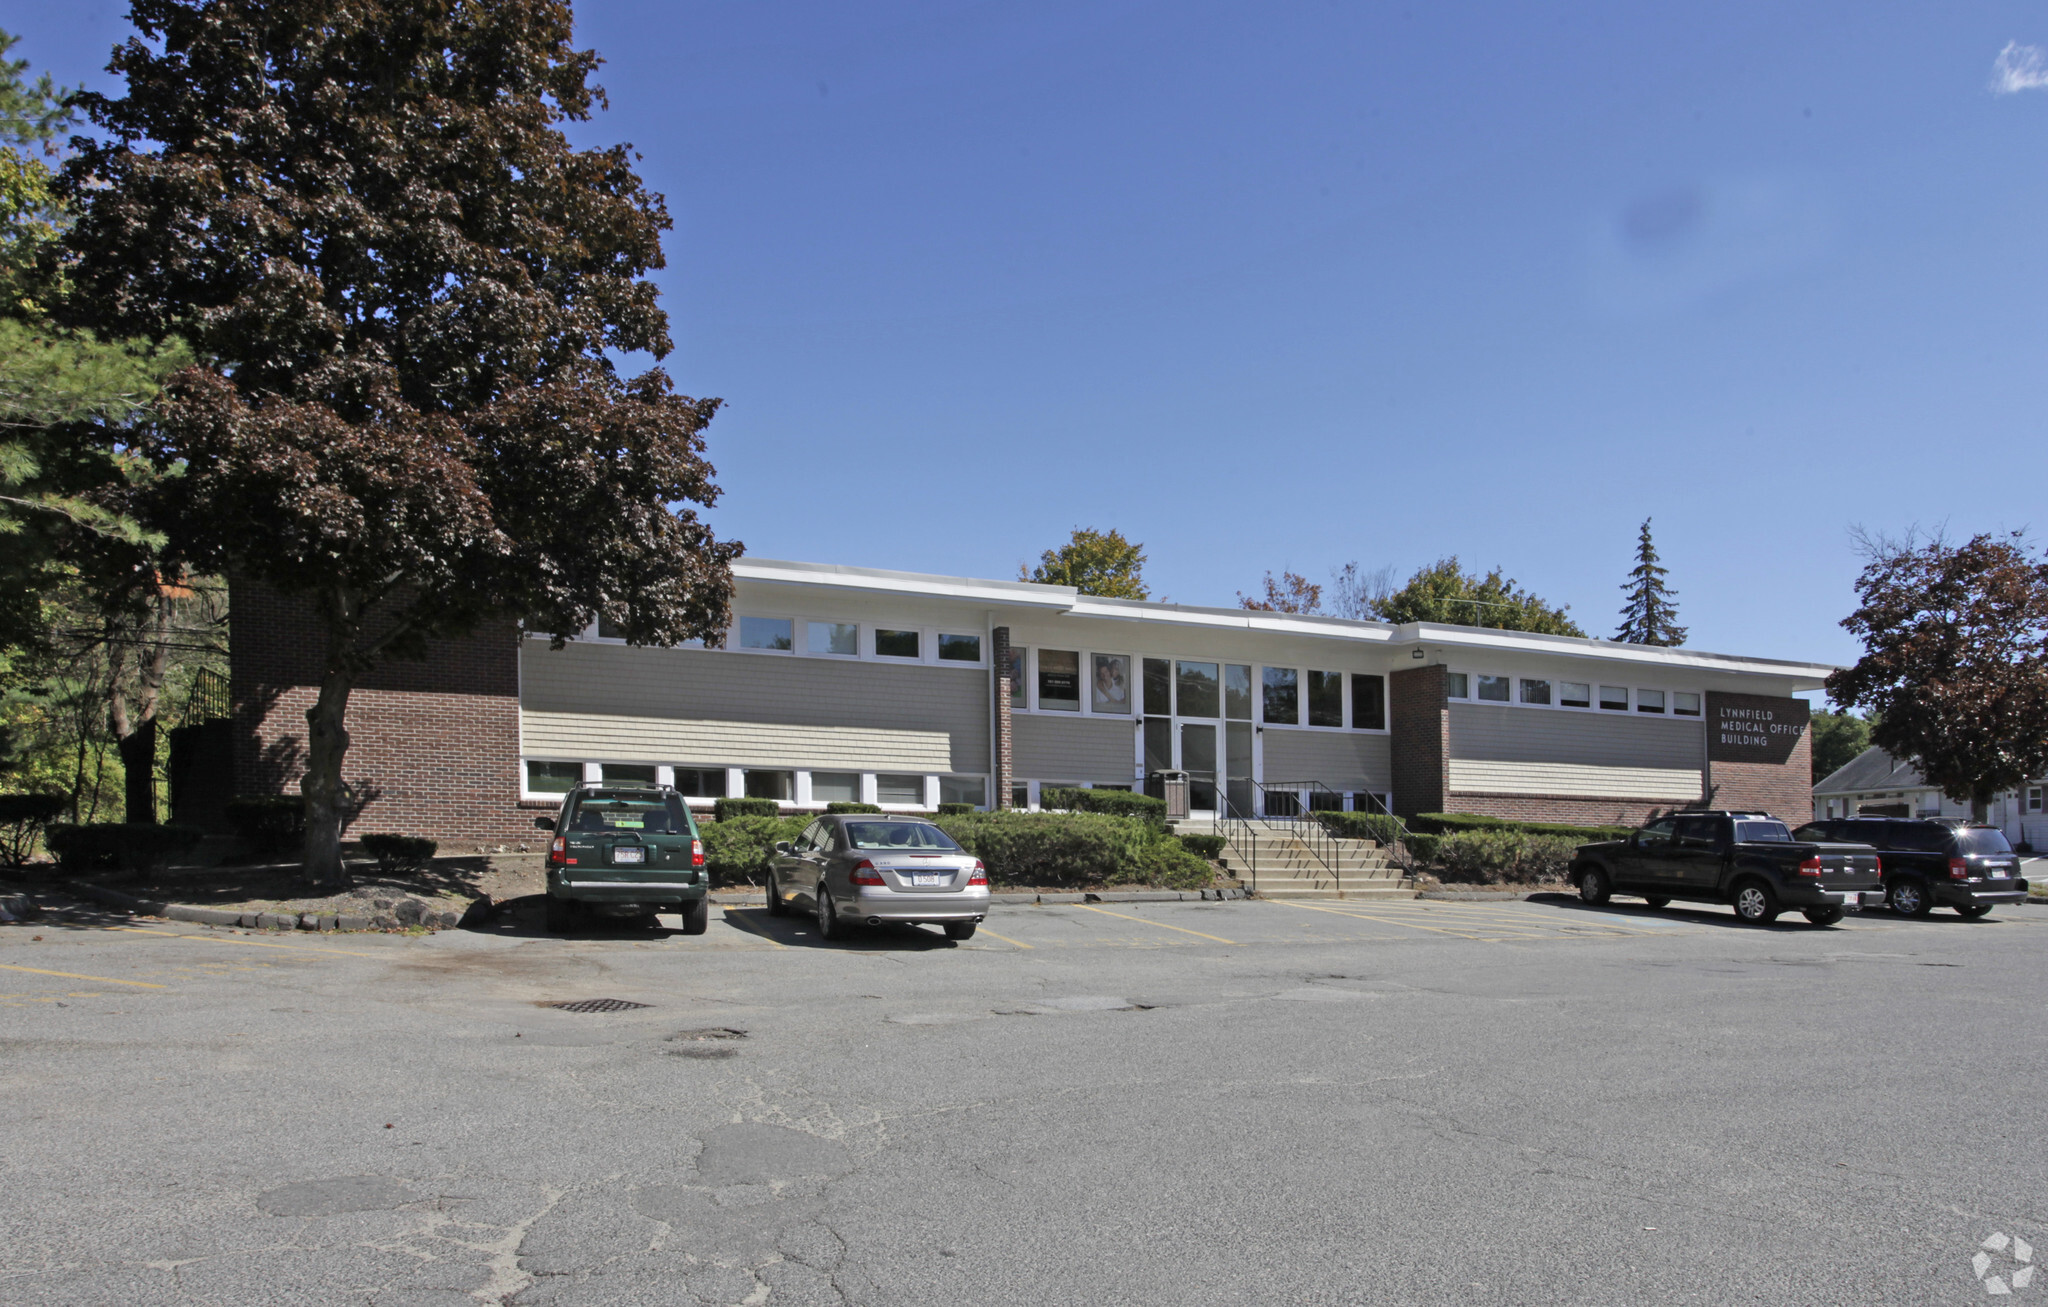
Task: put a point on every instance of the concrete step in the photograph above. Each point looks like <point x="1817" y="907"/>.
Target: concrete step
<point x="1348" y="894"/>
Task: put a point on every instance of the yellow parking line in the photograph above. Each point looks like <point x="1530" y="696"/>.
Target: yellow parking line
<point x="73" y="975"/>
<point x="1493" y="936"/>
<point x="750" y="928"/>
<point x="1148" y="921"/>
<point x="252" y="943"/>
<point x="1004" y="938"/>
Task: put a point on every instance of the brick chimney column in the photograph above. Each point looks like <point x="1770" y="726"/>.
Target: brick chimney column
<point x="1003" y="691"/>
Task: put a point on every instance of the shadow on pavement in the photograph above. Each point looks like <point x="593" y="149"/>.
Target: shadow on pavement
<point x="1710" y="914"/>
<point x="800" y="930"/>
<point x="526" y="918"/>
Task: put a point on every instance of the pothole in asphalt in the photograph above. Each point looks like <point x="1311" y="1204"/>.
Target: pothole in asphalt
<point x="593" y="1005"/>
<point x="1078" y="1003"/>
<point x="348" y="1193"/>
<point x="706" y="1044"/>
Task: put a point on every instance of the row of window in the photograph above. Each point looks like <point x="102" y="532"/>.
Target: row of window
<point x="1051" y="680"/>
<point x="800" y="788"/>
<point x="1542" y="692"/>
<point x="819" y="639"/>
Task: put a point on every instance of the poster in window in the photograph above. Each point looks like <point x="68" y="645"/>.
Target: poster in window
<point x="1014" y="669"/>
<point x="1111" y="691"/>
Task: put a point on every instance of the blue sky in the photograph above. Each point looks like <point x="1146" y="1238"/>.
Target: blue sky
<point x="1286" y="286"/>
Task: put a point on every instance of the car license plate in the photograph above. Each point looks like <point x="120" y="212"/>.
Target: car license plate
<point x="931" y="878"/>
<point x="1998" y="873"/>
<point x="629" y="854"/>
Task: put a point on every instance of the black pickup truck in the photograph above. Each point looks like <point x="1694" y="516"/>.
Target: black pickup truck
<point x="1748" y="859"/>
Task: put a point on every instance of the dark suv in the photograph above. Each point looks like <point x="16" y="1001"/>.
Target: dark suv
<point x="626" y="849"/>
<point x="1931" y="861"/>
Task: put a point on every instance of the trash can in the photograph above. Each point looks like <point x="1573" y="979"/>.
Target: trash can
<point x="1171" y="786"/>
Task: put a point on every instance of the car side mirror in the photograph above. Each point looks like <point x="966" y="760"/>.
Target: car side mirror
<point x="544" y="823"/>
<point x="1635" y="839"/>
<point x="782" y="846"/>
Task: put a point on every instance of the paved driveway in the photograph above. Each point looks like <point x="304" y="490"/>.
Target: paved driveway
<point x="1159" y="1103"/>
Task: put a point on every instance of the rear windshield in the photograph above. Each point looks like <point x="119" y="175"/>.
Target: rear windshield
<point x="1981" y="839"/>
<point x="653" y="814"/>
<point x="898" y="835"/>
<point x="1762" y="832"/>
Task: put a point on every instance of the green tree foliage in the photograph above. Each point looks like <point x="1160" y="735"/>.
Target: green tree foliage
<point x="1291" y="593"/>
<point x="408" y="291"/>
<point x="1095" y="563"/>
<point x="1955" y="661"/>
<point x="1837" y="738"/>
<point x="1445" y="592"/>
<point x="1649" y="616"/>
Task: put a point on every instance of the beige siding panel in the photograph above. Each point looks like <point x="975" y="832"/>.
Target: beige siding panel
<point x="1569" y="779"/>
<point x="734" y="744"/>
<point x="757" y="700"/>
<point x="1506" y="734"/>
<point x="1050" y="748"/>
<point x="1339" y="760"/>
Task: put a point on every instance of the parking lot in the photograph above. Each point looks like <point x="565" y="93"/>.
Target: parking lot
<point x="1332" y="1102"/>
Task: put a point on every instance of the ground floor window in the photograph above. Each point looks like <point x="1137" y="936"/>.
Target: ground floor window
<point x="700" y="782"/>
<point x="553" y="777"/>
<point x="628" y="773"/>
<point x="964" y="789"/>
<point x="765" y="784"/>
<point x="899" y="791"/>
<point x="835" y="787"/>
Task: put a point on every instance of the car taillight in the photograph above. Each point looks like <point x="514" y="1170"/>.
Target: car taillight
<point x="1958" y="869"/>
<point x="696" y="853"/>
<point x="864" y="873"/>
<point x="1810" y="867"/>
<point x="979" y="876"/>
<point x="558" y="850"/>
<point x="1880" y="865"/>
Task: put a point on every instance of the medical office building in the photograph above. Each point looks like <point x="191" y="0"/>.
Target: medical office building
<point x="908" y="690"/>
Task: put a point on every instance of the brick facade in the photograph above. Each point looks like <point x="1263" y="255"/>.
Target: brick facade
<point x="1551" y="807"/>
<point x="1421" y="739"/>
<point x="434" y="744"/>
<point x="1005" y="737"/>
<point x="1785" y="790"/>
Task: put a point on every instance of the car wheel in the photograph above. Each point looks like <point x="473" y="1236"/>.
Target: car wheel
<point x="776" y="907"/>
<point x="1973" y="910"/>
<point x="1593" y="886"/>
<point x="828" y="916"/>
<point x="1755" y="903"/>
<point x="1657" y="900"/>
<point x="561" y="915"/>
<point x="1909" y="898"/>
<point x="959" y="930"/>
<point x="1823" y="916"/>
<point x="697" y="917"/>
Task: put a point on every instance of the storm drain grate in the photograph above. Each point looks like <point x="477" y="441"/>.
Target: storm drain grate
<point x="596" y="1005"/>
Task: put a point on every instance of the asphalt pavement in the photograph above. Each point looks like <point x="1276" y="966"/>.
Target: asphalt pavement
<point x="1244" y="1102"/>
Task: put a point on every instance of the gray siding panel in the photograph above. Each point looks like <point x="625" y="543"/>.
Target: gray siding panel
<point x="1482" y="732"/>
<point x="1046" y="747"/>
<point x="1341" y="761"/>
<point x="607" y="681"/>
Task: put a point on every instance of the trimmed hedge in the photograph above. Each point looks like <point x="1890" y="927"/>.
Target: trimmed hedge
<point x="727" y="809"/>
<point x="736" y="849"/>
<point x="1114" y="803"/>
<point x="138" y="846"/>
<point x="955" y="809"/>
<point x="842" y="805"/>
<point x="1076" y="848"/>
<point x="1362" y="826"/>
<point x="1451" y="823"/>
<point x="1490" y="857"/>
<point x="269" y="824"/>
<point x="399" y="852"/>
<point x="23" y="818"/>
<point x="1204" y="846"/>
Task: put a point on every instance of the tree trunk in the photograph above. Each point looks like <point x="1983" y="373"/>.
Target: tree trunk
<point x="326" y="796"/>
<point x="1980" y="808"/>
<point x="138" y="764"/>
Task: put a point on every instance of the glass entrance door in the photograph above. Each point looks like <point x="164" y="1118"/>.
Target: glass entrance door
<point x="1198" y="760"/>
<point x="1197" y="716"/>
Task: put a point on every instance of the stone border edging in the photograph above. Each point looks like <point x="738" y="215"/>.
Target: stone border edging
<point x="319" y="921"/>
<point x="735" y="899"/>
<point x="1479" y="896"/>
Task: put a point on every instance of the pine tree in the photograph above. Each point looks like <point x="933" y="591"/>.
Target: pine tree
<point x="1649" y="616"/>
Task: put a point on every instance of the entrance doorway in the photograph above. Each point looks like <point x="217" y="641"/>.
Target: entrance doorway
<point x="1198" y="719"/>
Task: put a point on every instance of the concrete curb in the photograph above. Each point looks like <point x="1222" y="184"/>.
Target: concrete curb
<point x="19" y="907"/>
<point x="1479" y="896"/>
<point x="1013" y="898"/>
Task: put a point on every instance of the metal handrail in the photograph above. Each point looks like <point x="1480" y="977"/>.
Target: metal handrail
<point x="1302" y="800"/>
<point x="1232" y="822"/>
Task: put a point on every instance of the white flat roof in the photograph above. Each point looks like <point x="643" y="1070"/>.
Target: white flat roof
<point x="1066" y="601"/>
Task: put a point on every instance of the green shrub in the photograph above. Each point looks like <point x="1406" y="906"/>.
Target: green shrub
<point x="955" y="809"/>
<point x="842" y="806"/>
<point x="396" y="853"/>
<point x="1204" y="846"/>
<point x="1053" y="848"/>
<point x="1114" y="803"/>
<point x="1491" y="857"/>
<point x="135" y="845"/>
<point x="1451" y="823"/>
<point x="271" y="824"/>
<point x="1167" y="862"/>
<point x="1362" y="826"/>
<point x="22" y="820"/>
<point x="726" y="809"/>
<point x="1422" y="848"/>
<point x="736" y="849"/>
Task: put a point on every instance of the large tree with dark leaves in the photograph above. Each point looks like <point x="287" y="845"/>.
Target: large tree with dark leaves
<point x="406" y="292"/>
<point x="1955" y="661"/>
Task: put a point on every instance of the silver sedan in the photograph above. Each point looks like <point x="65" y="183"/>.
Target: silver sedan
<point x="869" y="869"/>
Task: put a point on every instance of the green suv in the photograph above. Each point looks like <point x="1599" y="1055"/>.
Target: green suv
<point x="625" y="849"/>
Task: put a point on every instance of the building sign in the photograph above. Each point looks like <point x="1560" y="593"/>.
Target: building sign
<point x="1753" y="728"/>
